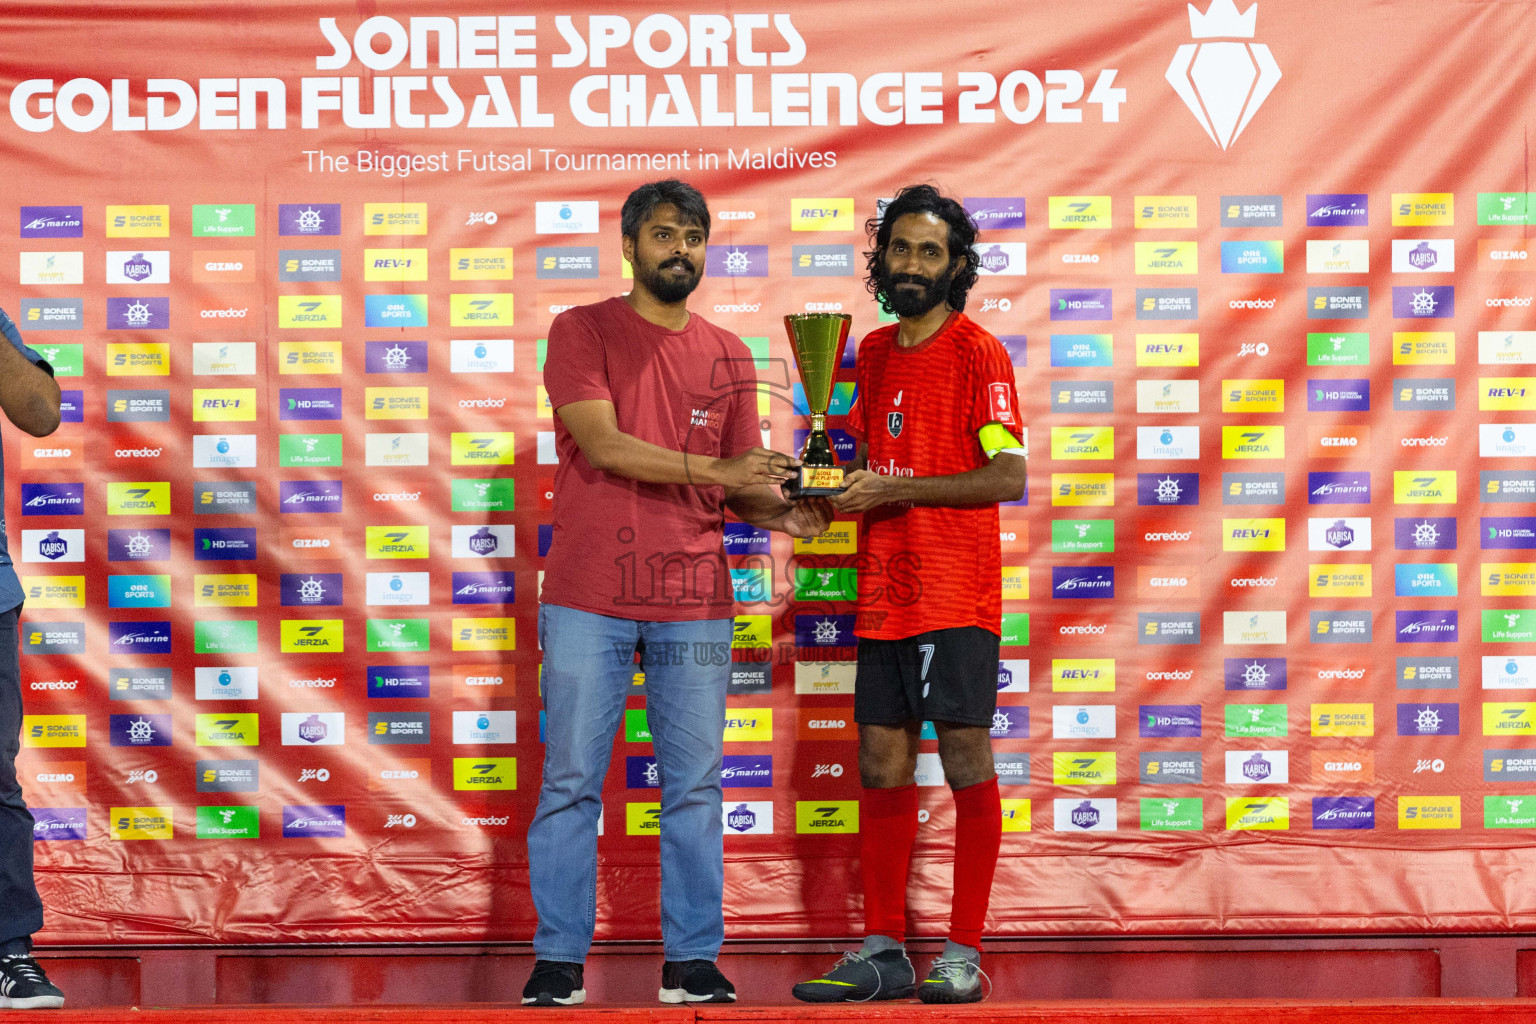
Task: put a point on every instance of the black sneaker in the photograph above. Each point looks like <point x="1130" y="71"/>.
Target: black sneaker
<point x="24" y="986"/>
<point x="554" y="983"/>
<point x="954" y="981"/>
<point x="887" y="974"/>
<point x="694" y="981"/>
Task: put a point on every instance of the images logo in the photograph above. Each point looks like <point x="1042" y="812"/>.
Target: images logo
<point x="1223" y="83"/>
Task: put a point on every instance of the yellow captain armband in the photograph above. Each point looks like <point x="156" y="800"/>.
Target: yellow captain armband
<point x="996" y="439"/>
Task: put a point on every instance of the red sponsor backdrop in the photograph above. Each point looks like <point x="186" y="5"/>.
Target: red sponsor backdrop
<point x="1170" y="135"/>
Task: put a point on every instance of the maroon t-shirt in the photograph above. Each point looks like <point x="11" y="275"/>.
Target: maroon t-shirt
<point x="630" y="549"/>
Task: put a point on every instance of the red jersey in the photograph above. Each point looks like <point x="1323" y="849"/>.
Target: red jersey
<point x="621" y="547"/>
<point x="919" y="409"/>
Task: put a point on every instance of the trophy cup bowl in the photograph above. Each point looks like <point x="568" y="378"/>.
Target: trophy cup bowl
<point x="818" y="340"/>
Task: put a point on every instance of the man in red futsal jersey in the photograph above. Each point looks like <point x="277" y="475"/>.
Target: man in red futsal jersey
<point x="939" y="429"/>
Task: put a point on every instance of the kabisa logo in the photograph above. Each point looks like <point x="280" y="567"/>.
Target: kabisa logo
<point x="1223" y="83"/>
<point x="52" y="546"/>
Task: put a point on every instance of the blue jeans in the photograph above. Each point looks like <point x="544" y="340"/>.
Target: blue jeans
<point x="588" y="671"/>
<point x="21" y="911"/>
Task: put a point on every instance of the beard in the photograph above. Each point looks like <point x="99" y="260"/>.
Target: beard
<point x="914" y="301"/>
<point x="668" y="288"/>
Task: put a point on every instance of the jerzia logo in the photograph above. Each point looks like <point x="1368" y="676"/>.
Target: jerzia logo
<point x="1223" y="83"/>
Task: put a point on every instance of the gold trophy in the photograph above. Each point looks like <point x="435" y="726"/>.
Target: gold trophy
<point x="818" y="340"/>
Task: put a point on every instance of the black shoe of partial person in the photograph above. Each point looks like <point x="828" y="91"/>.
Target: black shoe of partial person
<point x="554" y="983"/>
<point x="24" y="986"/>
<point x="694" y="981"/>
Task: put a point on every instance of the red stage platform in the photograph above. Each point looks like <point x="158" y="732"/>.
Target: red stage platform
<point x="1096" y="977"/>
<point x="1259" y="1011"/>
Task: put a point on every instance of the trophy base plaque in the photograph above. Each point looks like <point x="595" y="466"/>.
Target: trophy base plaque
<point x="816" y="482"/>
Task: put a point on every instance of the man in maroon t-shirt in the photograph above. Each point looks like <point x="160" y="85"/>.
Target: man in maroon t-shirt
<point x="656" y="427"/>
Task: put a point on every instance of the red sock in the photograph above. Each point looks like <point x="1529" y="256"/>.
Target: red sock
<point x="978" y="834"/>
<point x="887" y="830"/>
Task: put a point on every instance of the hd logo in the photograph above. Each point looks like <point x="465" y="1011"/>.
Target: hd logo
<point x="823" y="816"/>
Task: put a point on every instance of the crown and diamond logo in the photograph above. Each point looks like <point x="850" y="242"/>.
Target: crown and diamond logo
<point x="1223" y="82"/>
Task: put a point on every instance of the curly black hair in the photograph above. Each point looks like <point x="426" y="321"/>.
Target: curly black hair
<point x="962" y="240"/>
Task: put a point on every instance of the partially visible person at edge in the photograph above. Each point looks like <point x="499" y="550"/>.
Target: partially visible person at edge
<point x="939" y="429"/>
<point x="657" y="431"/>
<point x="30" y="399"/>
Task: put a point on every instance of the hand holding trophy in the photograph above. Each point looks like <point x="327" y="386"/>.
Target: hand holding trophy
<point x="818" y="340"/>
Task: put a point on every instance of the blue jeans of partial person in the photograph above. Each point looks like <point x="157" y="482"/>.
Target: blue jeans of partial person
<point x="588" y="671"/>
<point x="21" y="911"/>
